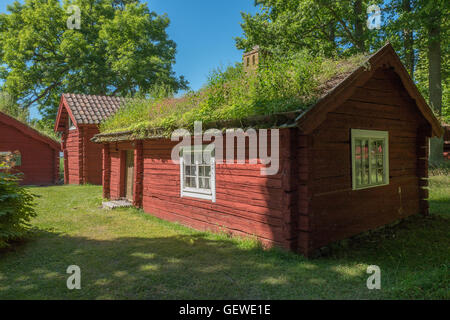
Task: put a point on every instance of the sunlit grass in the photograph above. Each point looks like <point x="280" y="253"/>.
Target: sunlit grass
<point x="127" y="254"/>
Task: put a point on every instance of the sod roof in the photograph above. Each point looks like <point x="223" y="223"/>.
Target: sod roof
<point x="319" y="84"/>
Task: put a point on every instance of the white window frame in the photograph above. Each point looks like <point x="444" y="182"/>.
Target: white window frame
<point x="370" y="135"/>
<point x="71" y="124"/>
<point x="205" y="194"/>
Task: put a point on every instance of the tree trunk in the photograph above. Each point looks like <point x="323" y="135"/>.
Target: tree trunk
<point x="435" y="82"/>
<point x="332" y="37"/>
<point x="408" y="41"/>
<point x="359" y="25"/>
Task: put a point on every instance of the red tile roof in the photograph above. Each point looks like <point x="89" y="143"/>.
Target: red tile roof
<point x="92" y="109"/>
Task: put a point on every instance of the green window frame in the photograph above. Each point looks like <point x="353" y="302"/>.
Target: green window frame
<point x="370" y="158"/>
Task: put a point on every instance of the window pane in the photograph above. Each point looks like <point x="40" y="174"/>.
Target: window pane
<point x="204" y="183"/>
<point x="380" y="175"/>
<point x="358" y="162"/>
<point x="365" y="162"/>
<point x="369" y="163"/>
<point x="197" y="178"/>
<point x="207" y="184"/>
<point x="190" y="182"/>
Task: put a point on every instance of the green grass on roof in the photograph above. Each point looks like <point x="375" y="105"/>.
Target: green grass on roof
<point x="281" y="84"/>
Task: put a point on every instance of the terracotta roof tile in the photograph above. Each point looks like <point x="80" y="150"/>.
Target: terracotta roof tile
<point x="92" y="109"/>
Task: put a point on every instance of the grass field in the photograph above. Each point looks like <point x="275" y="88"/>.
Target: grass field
<point x="127" y="254"/>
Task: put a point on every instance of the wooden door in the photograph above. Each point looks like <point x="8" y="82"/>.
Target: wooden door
<point x="129" y="175"/>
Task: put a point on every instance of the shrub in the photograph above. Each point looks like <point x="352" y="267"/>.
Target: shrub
<point x="16" y="205"/>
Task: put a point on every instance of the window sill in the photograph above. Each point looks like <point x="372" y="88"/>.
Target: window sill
<point x="369" y="187"/>
<point x="203" y="196"/>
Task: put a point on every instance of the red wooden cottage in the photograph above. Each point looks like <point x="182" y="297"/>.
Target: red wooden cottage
<point x="354" y="161"/>
<point x="38" y="155"/>
<point x="78" y="120"/>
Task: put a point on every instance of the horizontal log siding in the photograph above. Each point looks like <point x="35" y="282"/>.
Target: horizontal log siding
<point x="39" y="165"/>
<point x="246" y="203"/>
<point x="93" y="157"/>
<point x="82" y="158"/>
<point x="339" y="212"/>
<point x="304" y="192"/>
<point x="72" y="151"/>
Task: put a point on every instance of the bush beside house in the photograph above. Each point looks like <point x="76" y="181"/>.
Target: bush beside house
<point x="16" y="204"/>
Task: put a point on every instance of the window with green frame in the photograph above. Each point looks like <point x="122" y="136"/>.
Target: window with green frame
<point x="370" y="158"/>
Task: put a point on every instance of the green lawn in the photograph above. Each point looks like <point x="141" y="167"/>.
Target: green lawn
<point x="126" y="254"/>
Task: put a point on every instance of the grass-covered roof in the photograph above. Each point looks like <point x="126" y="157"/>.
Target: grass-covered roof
<point x="279" y="86"/>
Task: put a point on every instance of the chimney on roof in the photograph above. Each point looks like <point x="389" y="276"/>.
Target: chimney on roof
<point x="251" y="59"/>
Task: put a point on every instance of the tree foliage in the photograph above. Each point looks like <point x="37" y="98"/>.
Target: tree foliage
<point x="11" y="108"/>
<point x="418" y="30"/>
<point x="16" y="204"/>
<point x="323" y="26"/>
<point x="121" y="48"/>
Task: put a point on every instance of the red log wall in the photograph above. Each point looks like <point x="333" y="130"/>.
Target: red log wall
<point x="335" y="210"/>
<point x="40" y="162"/>
<point x="310" y="202"/>
<point x="83" y="158"/>
<point x="246" y="202"/>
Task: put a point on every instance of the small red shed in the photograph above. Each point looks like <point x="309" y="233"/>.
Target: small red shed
<point x="355" y="161"/>
<point x="38" y="157"/>
<point x="78" y="120"/>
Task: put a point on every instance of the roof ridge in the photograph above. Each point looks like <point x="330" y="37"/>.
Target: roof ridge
<point x="31" y="131"/>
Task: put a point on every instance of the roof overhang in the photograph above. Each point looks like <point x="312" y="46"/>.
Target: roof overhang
<point x="25" y="129"/>
<point x="386" y="56"/>
<point x="63" y="105"/>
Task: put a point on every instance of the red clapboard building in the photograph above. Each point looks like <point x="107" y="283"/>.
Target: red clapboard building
<point x="355" y="161"/>
<point x="37" y="155"/>
<point x="78" y="121"/>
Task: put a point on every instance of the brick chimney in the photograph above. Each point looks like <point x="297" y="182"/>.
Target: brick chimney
<point x="251" y="59"/>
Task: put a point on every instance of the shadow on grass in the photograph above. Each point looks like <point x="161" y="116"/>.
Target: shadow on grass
<point x="412" y="258"/>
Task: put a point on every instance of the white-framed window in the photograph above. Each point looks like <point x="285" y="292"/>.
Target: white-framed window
<point x="71" y="125"/>
<point x="370" y="158"/>
<point x="198" y="173"/>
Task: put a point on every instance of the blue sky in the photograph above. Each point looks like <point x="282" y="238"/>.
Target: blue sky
<point x="204" y="31"/>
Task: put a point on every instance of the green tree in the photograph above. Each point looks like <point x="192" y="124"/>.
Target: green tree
<point x="433" y="17"/>
<point x="418" y="29"/>
<point x="16" y="203"/>
<point x="9" y="106"/>
<point x="121" y="48"/>
<point x="321" y="26"/>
